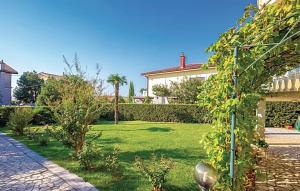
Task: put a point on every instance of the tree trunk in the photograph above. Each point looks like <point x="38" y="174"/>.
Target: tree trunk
<point x="117" y="103"/>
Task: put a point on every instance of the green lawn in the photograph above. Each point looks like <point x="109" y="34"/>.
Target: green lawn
<point x="175" y="140"/>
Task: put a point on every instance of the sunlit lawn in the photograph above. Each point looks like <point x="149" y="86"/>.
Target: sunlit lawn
<point x="175" y="140"/>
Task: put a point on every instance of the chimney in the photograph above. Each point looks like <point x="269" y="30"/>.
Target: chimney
<point x="182" y="60"/>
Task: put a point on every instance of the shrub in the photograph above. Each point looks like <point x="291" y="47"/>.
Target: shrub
<point x="90" y="157"/>
<point x="111" y="162"/>
<point x="155" y="170"/>
<point x="187" y="113"/>
<point x="42" y="116"/>
<point x="19" y="120"/>
<point x="280" y="114"/>
<point x="4" y="115"/>
<point x="43" y="139"/>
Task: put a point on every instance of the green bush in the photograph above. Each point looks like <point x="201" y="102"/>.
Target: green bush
<point x="19" y="119"/>
<point x="111" y="161"/>
<point x="280" y="114"/>
<point x="90" y="157"/>
<point x="42" y="116"/>
<point x="155" y="170"/>
<point x="4" y="115"/>
<point x="186" y="113"/>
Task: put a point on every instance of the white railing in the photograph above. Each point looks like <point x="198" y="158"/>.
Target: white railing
<point x="289" y="82"/>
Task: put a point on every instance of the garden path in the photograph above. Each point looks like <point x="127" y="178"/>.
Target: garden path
<point x="280" y="167"/>
<point x="23" y="169"/>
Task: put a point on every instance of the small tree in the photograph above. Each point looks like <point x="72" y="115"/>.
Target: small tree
<point x="131" y="92"/>
<point x="76" y="108"/>
<point x="187" y="90"/>
<point x="116" y="80"/>
<point x="28" y="87"/>
<point x="20" y="119"/>
<point x="161" y="90"/>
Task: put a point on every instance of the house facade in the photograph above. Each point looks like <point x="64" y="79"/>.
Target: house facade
<point x="175" y="74"/>
<point x="45" y="76"/>
<point x="5" y="83"/>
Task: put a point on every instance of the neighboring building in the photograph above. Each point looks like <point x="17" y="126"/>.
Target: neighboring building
<point x="5" y="83"/>
<point x="45" y="76"/>
<point x="175" y="74"/>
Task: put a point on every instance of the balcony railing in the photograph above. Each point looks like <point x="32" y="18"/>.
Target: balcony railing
<point x="290" y="82"/>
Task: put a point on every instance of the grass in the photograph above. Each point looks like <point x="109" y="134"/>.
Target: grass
<point x="136" y="138"/>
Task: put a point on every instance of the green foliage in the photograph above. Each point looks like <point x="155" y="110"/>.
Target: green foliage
<point x="4" y="114"/>
<point x="111" y="162"/>
<point x="281" y="114"/>
<point x="49" y="92"/>
<point x="19" y="120"/>
<point x="262" y="144"/>
<point x="28" y="87"/>
<point x="158" y="112"/>
<point x="147" y="100"/>
<point x="156" y="170"/>
<point x="161" y="90"/>
<point x="90" y="157"/>
<point x="186" y="91"/>
<point x="42" y="116"/>
<point x="265" y="26"/>
<point x="76" y="109"/>
<point x="131" y="92"/>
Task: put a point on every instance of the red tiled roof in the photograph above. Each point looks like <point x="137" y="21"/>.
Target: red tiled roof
<point x="6" y="68"/>
<point x="174" y="69"/>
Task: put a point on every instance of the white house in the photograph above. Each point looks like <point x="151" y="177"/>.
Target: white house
<point x="175" y="74"/>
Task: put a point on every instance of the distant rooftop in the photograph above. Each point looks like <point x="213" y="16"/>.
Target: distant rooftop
<point x="6" y="68"/>
<point x="46" y="76"/>
<point x="182" y="67"/>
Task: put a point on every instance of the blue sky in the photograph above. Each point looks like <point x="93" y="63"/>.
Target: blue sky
<point x="123" y="36"/>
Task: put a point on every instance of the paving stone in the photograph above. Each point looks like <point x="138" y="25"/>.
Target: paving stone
<point x="23" y="169"/>
<point x="281" y="169"/>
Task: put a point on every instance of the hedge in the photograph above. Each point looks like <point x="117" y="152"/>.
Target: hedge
<point x="42" y="115"/>
<point x="280" y="114"/>
<point x="158" y="112"/>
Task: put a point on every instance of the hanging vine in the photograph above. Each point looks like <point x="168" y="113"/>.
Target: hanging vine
<point x="278" y="22"/>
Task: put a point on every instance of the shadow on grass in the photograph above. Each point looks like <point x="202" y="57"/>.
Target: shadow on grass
<point x="114" y="140"/>
<point x="176" y="154"/>
<point x="159" y="129"/>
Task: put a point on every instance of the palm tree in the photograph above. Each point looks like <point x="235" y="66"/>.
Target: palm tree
<point x="116" y="80"/>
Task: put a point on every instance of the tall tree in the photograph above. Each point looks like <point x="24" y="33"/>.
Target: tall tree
<point x="28" y="87"/>
<point x="131" y="92"/>
<point x="116" y="80"/>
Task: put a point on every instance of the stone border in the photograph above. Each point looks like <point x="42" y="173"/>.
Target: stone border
<point x="73" y="180"/>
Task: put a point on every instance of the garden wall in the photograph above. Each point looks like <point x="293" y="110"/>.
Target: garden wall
<point x="280" y="114"/>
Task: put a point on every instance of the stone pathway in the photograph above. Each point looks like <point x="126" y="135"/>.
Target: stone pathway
<point x="280" y="168"/>
<point x="23" y="169"/>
